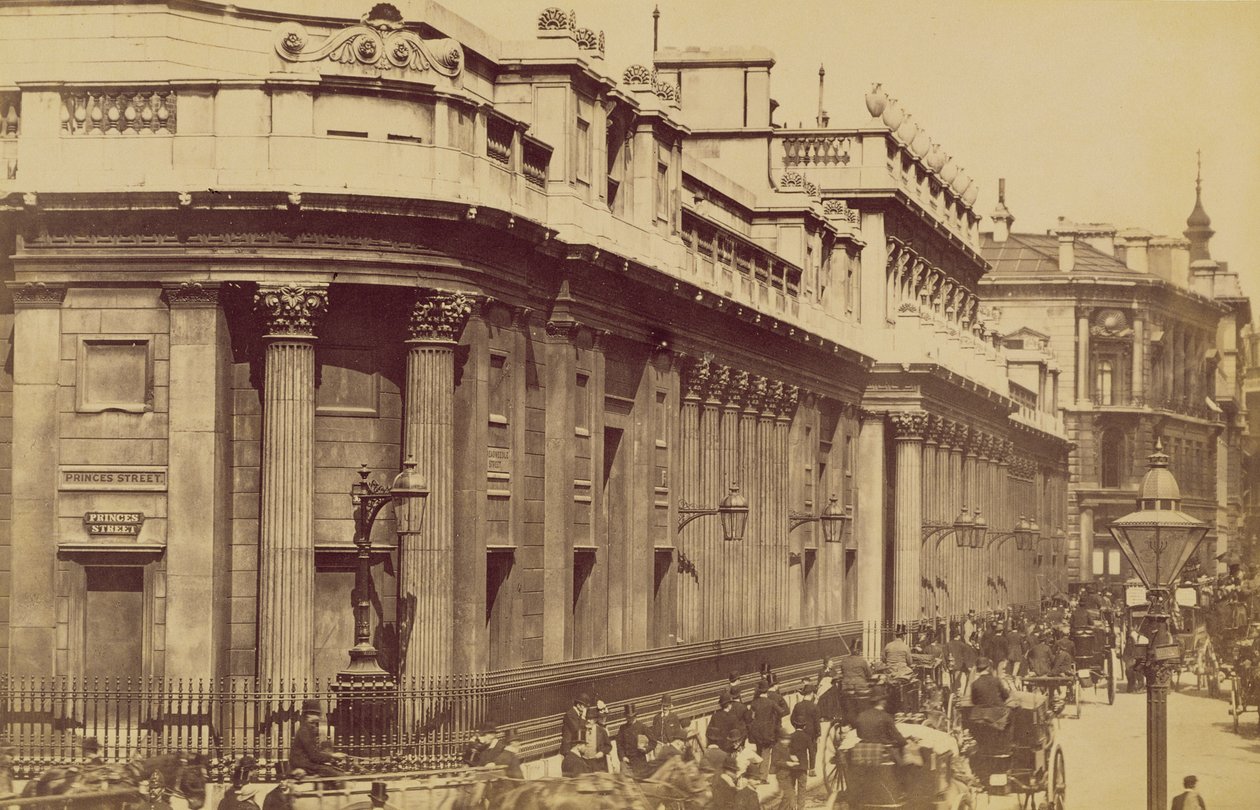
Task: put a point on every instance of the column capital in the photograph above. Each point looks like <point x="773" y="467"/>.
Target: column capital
<point x="291" y="310"/>
<point x="783" y="398"/>
<point x="36" y="294"/>
<point x="438" y="316"/>
<point x="935" y="432"/>
<point x="697" y="377"/>
<point x="908" y="425"/>
<point x="192" y="294"/>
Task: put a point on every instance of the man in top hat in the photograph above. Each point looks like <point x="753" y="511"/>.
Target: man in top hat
<point x="667" y="724"/>
<point x="573" y="725"/>
<point x="308" y="752"/>
<point x="634" y="742"/>
<point x="897" y="655"/>
<point x="723" y="724"/>
<point x="487" y="733"/>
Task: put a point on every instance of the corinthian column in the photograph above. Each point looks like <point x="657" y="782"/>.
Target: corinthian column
<point x="908" y="429"/>
<point x="426" y="574"/>
<point x="286" y="538"/>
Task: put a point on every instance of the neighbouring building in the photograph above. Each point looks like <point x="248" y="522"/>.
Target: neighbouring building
<point x="251" y="246"/>
<point x="1149" y="330"/>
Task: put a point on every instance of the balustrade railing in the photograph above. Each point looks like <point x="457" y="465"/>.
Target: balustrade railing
<point x="535" y="155"/>
<point x="118" y="112"/>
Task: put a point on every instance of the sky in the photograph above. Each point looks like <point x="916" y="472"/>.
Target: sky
<point x="1092" y="111"/>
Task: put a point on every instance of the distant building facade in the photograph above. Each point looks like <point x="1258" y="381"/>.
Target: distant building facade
<point x="285" y="243"/>
<point x="1148" y="329"/>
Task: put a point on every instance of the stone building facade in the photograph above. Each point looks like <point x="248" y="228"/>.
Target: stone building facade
<point x="1150" y="328"/>
<point x="284" y="243"/>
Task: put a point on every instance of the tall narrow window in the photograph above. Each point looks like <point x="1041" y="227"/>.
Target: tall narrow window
<point x="1111" y="453"/>
<point x="583" y="162"/>
<point x="662" y="183"/>
<point x="1103" y="383"/>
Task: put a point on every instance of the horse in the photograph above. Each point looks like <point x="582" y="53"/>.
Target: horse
<point x="676" y="785"/>
<point x="167" y="775"/>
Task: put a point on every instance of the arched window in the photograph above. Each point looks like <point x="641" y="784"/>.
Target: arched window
<point x="1103" y="385"/>
<point x="1111" y="457"/>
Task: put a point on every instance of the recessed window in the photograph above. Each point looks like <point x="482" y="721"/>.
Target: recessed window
<point x="348" y="381"/>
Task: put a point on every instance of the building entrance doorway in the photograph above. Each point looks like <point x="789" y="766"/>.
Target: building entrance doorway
<point x="114" y="611"/>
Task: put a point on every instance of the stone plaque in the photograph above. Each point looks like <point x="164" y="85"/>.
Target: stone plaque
<point x="119" y="478"/>
<point x="113" y="524"/>
<point x="499" y="459"/>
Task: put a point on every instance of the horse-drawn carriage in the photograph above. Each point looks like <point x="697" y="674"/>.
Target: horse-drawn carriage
<point x="1092" y="649"/>
<point x="1017" y="753"/>
<point x="1243" y="671"/>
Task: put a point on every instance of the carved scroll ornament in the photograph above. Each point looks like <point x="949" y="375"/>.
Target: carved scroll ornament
<point x="378" y="41"/>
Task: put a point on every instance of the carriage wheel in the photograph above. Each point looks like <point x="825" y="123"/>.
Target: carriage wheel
<point x="1209" y="668"/>
<point x="1057" y="790"/>
<point x="1111" y="681"/>
<point x="1235" y="707"/>
<point x="833" y="768"/>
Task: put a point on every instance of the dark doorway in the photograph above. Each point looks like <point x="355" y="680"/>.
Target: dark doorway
<point x="114" y="646"/>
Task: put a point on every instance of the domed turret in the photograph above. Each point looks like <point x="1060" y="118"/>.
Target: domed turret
<point x="1199" y="224"/>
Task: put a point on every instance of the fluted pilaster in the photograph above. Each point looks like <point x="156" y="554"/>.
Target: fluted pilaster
<point x="695" y="383"/>
<point x="908" y="430"/>
<point x="286" y="541"/>
<point x="426" y="572"/>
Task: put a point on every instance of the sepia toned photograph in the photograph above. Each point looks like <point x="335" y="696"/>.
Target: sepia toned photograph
<point x="650" y="405"/>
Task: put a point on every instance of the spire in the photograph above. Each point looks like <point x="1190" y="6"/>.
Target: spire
<point x="822" y="120"/>
<point x="656" y="28"/>
<point x="1198" y="224"/>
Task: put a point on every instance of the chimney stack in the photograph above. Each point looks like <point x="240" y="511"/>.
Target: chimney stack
<point x="1067" y="247"/>
<point x="1002" y="217"/>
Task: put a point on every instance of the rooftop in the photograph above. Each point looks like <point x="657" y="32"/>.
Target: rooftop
<point x="1039" y="253"/>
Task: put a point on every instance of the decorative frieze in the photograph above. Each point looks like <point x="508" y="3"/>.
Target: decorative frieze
<point x="439" y="315"/>
<point x="290" y="310"/>
<point x="192" y="294"/>
<point x="37" y="294"/>
<point x="118" y="112"/>
<point x="379" y="41"/>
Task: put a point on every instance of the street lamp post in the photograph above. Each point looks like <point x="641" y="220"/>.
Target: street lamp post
<point x="364" y="684"/>
<point x="1158" y="539"/>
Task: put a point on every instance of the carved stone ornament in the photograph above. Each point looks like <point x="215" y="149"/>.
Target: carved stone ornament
<point x="840" y="210"/>
<point x="698" y="377"/>
<point x="553" y="19"/>
<point x="291" y="310"/>
<point x="193" y="294"/>
<point x="637" y="76"/>
<point x="380" y="40"/>
<point x="439" y="315"/>
<point x="37" y="294"/>
<point x="793" y="180"/>
<point x="1111" y="323"/>
<point x="908" y="425"/>
<point x="589" y="40"/>
<point x="723" y="385"/>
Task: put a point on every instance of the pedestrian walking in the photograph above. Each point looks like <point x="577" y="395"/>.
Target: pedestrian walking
<point x="805" y="715"/>
<point x="763" y="729"/>
<point x="1189" y="799"/>
<point x="789" y="758"/>
<point x="723" y="724"/>
<point x="668" y="725"/>
<point x="634" y="742"/>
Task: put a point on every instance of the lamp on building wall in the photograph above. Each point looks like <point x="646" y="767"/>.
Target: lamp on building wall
<point x="979" y="534"/>
<point x="368" y="498"/>
<point x="962" y="529"/>
<point x="733" y="512"/>
<point x="1158" y="539"/>
<point x="833" y="519"/>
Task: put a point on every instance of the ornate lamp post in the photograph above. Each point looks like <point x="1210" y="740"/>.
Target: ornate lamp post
<point x="364" y="684"/>
<point x="1158" y="539"/>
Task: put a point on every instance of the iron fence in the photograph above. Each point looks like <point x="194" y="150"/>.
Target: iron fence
<point x="421" y="724"/>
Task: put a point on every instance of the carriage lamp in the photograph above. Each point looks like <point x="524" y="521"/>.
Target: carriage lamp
<point x="732" y="511"/>
<point x="368" y="498"/>
<point x="1157" y="540"/>
<point x="833" y="519"/>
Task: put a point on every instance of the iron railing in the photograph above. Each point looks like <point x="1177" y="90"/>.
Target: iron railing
<point x="421" y="724"/>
